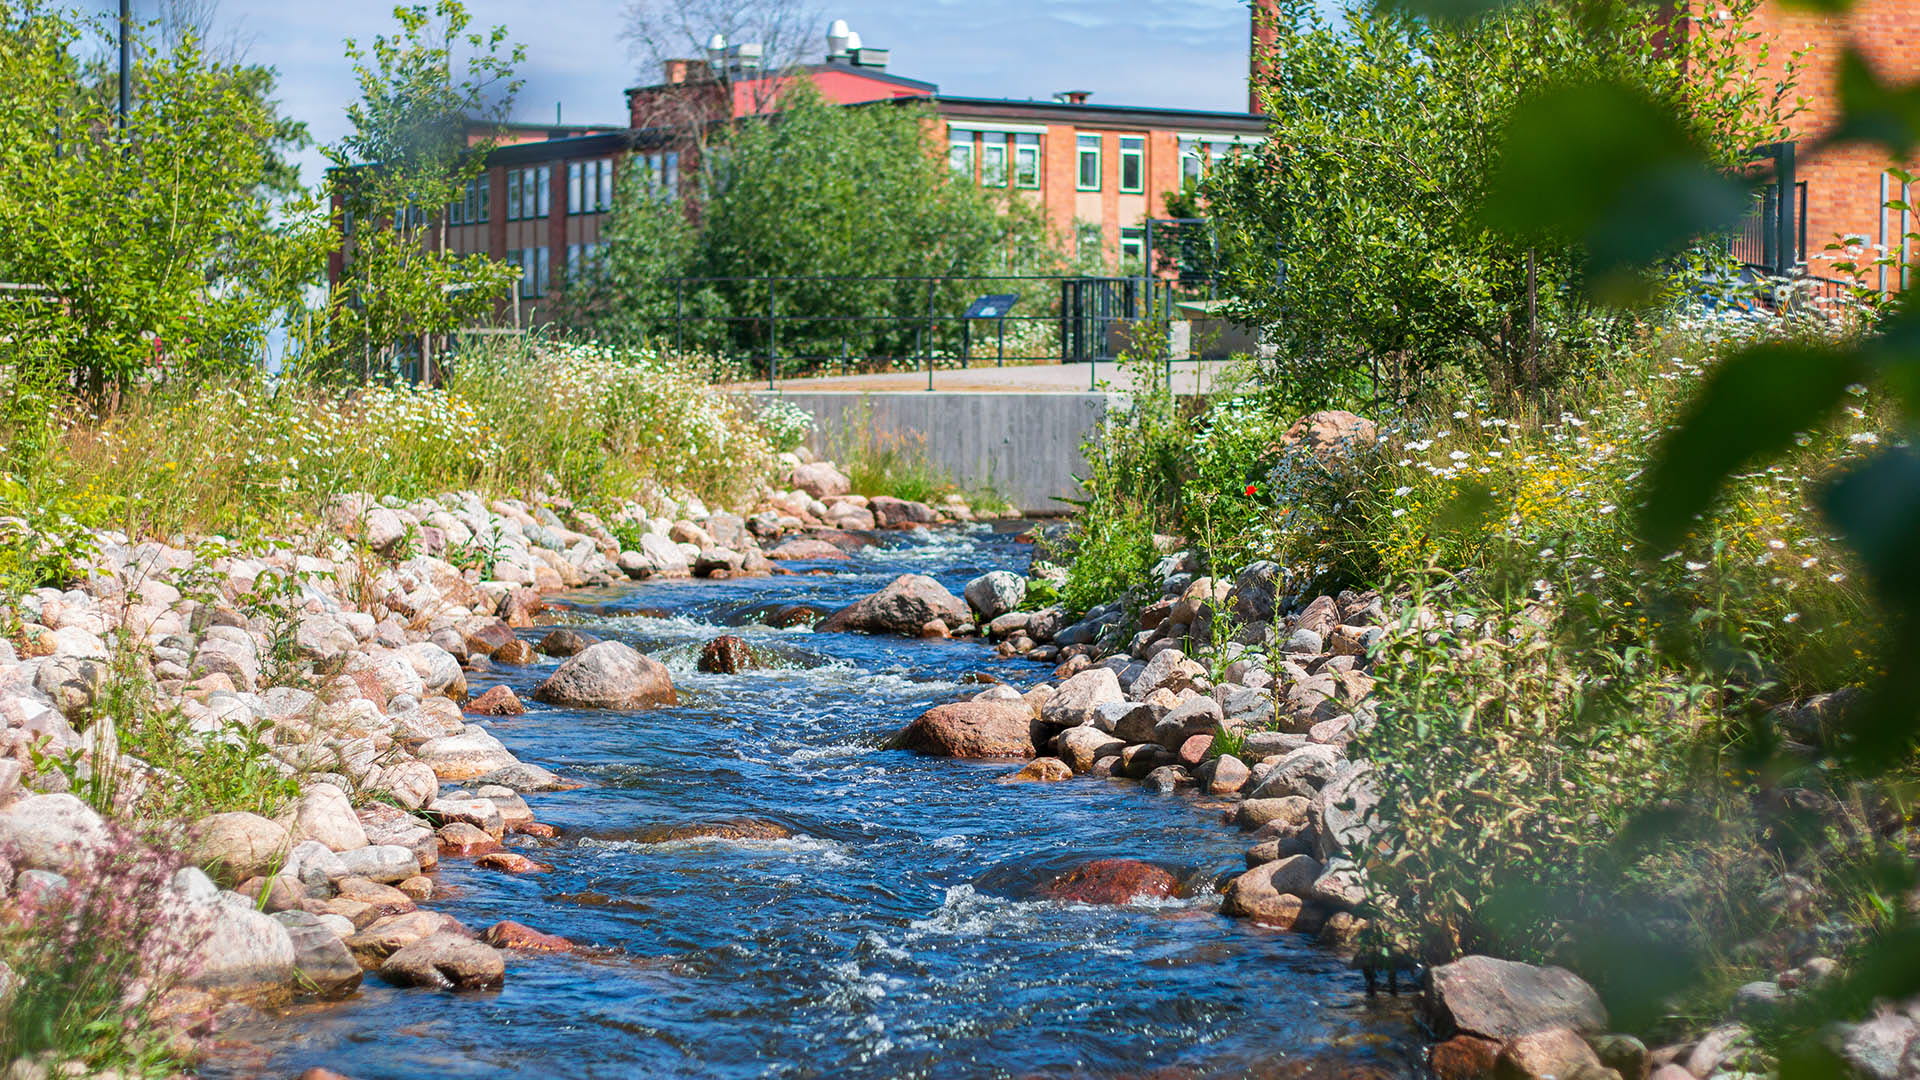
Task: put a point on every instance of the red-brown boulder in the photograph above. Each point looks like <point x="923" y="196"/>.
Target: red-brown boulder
<point x="1112" y="881"/>
<point x="508" y="934"/>
<point x="497" y="701"/>
<point x="971" y="729"/>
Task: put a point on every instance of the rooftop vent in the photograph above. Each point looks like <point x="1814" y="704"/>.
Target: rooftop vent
<point x="1073" y="97"/>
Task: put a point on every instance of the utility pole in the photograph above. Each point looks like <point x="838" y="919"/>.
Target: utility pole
<point x="126" y="58"/>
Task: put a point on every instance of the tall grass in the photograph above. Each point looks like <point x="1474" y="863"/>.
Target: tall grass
<point x="255" y="455"/>
<point x="886" y="462"/>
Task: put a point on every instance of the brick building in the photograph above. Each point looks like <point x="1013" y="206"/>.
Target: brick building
<point x="1098" y="170"/>
<point x="1841" y="186"/>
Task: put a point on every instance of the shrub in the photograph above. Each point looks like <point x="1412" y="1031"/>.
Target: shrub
<point x="89" y="963"/>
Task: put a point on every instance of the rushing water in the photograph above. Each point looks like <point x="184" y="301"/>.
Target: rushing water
<point x="895" y="935"/>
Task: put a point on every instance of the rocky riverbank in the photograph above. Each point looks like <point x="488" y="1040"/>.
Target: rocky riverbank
<point x="321" y="682"/>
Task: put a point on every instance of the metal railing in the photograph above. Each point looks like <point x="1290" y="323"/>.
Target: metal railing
<point x="775" y="327"/>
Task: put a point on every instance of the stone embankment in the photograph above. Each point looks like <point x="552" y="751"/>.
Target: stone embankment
<point x="337" y="667"/>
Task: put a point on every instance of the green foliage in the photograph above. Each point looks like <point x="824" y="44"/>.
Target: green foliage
<point x="160" y="251"/>
<point x="406" y="159"/>
<point x="89" y="967"/>
<point x="785" y="424"/>
<point x="1357" y="236"/>
<point x="819" y="189"/>
<point x="885" y="462"/>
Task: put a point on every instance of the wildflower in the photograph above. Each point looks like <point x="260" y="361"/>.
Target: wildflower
<point x="1458" y="455"/>
<point x="1402" y="492"/>
<point x="1864" y="438"/>
<point x="1792" y="617"/>
<point x="1253" y="489"/>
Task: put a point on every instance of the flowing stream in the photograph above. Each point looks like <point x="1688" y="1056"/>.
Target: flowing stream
<point x="895" y="934"/>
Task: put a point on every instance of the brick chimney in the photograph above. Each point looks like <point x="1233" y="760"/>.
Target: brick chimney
<point x="1259" y="48"/>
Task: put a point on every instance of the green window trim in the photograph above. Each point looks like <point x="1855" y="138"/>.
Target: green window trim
<point x="1026" y="161"/>
<point x="1087" y="162"/>
<point x="1133" y="165"/>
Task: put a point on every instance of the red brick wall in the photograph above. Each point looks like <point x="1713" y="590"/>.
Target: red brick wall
<point x="1843" y="185"/>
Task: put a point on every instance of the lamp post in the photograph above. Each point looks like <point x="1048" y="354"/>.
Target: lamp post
<point x="126" y="56"/>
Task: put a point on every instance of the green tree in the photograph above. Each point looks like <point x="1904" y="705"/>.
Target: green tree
<point x="1356" y="233"/>
<point x="820" y="190"/>
<point x="407" y="158"/>
<point x="169" y="248"/>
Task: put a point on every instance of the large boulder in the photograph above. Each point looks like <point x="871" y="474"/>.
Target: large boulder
<point x="908" y="603"/>
<point x="1077" y="700"/>
<point x="468" y="755"/>
<point x="889" y="511"/>
<point x="320" y="959"/>
<point x="1554" y="1054"/>
<point x="51" y="832"/>
<point x="805" y="547"/>
<point x="230" y="947"/>
<point x="1504" y="999"/>
<point x="1331" y="434"/>
<point x="1112" y="881"/>
<point x="726" y="655"/>
<point x="445" y="961"/>
<point x="239" y="845"/>
<point x="1345" y="812"/>
<point x="323" y="813"/>
<point x="820" y="480"/>
<point x="995" y="593"/>
<point x="1272" y="892"/>
<point x="609" y="675"/>
<point x="971" y="729"/>
<point x="1252" y="593"/>
<point x="1169" y="669"/>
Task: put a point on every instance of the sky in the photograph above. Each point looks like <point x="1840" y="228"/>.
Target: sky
<point x="1180" y="53"/>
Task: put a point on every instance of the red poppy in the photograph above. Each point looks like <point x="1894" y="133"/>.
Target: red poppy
<point x="1253" y="489"/>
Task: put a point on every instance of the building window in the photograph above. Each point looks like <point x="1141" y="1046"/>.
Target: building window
<point x="960" y="153"/>
<point x="1087" y="150"/>
<point x="1131" y="246"/>
<point x="1133" y="164"/>
<point x="661" y="171"/>
<point x="1088" y="239"/>
<point x="1026" y="161"/>
<point x="590" y="186"/>
<point x="993" y="160"/>
<point x="527" y="194"/>
<point x="533" y="270"/>
<point x="584" y="260"/>
<point x="471" y="208"/>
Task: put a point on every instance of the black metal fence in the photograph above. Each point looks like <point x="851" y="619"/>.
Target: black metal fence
<point x="781" y="327"/>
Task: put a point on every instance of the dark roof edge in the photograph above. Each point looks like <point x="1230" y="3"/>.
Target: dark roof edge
<point x="1094" y="112"/>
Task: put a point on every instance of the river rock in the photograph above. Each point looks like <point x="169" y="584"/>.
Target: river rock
<point x="1040" y="770"/>
<point x="508" y="934"/>
<point x="1553" y="1054"/>
<point x="820" y="480"/>
<point x="51" y="832"/>
<point x="971" y="729"/>
<point x="609" y="675"/>
<point x="1504" y="999"/>
<point x="1169" y="669"/>
<point x="1301" y="772"/>
<point x="1198" y="715"/>
<point x="497" y="701"/>
<point x="1112" y="881"/>
<point x="446" y="962"/>
<point x="228" y="946"/>
<point x="482" y="814"/>
<point x="324" y="814"/>
<point x="729" y="829"/>
<point x="890" y="512"/>
<point x="908" y="603"/>
<point x="381" y="862"/>
<point x="995" y="593"/>
<point x="1080" y="747"/>
<point x="386" y="936"/>
<point x="239" y="845"/>
<point x="515" y="653"/>
<point x="470" y="754"/>
<point x="1345" y="813"/>
<point x="1225" y="775"/>
<point x="511" y="862"/>
<point x="1463" y="1057"/>
<point x="726" y="655"/>
<point x="463" y="839"/>
<point x="1273" y="892"/>
<point x="805" y="547"/>
<point x="322" y="962"/>
<point x="1252" y="594"/>
<point x="565" y="641"/>
<point x="1075" y="701"/>
<point x="1166" y="779"/>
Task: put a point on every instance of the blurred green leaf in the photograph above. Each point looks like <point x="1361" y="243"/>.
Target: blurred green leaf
<point x="1824" y="7"/>
<point x="1750" y="409"/>
<point x="1606" y="165"/>
<point x="1876" y="506"/>
<point x="1873" y="110"/>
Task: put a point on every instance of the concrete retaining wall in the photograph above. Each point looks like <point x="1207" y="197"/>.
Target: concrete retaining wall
<point x="1026" y="447"/>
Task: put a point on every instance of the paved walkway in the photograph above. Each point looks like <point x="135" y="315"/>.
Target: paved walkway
<point x="1189" y="377"/>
